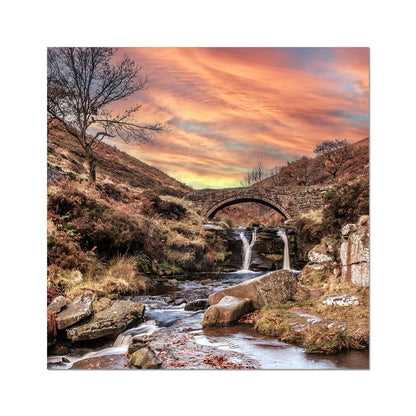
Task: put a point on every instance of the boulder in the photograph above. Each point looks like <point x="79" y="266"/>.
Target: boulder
<point x="261" y="263"/>
<point x="355" y="255"/>
<point x="57" y="304"/>
<point x="197" y="305"/>
<point x="110" y="322"/>
<point x="79" y="309"/>
<point x="321" y="255"/>
<point x="145" y="358"/>
<point x="274" y="287"/>
<point x="227" y="311"/>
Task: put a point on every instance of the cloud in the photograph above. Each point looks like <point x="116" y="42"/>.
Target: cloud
<point x="224" y="108"/>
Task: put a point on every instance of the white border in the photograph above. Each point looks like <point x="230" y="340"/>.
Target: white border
<point x="31" y="27"/>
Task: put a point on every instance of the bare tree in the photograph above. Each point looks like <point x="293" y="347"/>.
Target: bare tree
<point x="274" y="175"/>
<point x="335" y="153"/>
<point x="82" y="83"/>
<point x="258" y="174"/>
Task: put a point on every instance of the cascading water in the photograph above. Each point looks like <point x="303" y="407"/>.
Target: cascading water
<point x="286" y="259"/>
<point x="247" y="248"/>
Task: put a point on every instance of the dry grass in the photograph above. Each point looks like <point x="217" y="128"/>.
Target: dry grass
<point x="314" y="216"/>
<point x="281" y="322"/>
<point x="119" y="278"/>
<point x="338" y="328"/>
<point x="178" y="241"/>
<point x="321" y="339"/>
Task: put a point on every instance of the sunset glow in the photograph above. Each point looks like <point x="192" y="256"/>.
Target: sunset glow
<point x="225" y="108"/>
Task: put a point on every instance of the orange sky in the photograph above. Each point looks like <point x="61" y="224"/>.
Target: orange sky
<point x="225" y="108"/>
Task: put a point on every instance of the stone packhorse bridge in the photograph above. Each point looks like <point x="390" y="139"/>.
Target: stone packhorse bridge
<point x="287" y="200"/>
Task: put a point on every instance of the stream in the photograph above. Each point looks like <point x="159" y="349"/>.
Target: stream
<point x="167" y="321"/>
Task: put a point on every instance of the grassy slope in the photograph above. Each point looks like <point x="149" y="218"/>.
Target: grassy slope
<point x="112" y="164"/>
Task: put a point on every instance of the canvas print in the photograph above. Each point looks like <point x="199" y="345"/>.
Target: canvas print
<point x="207" y="208"/>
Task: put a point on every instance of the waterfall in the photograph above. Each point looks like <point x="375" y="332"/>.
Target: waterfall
<point x="247" y="248"/>
<point x="122" y="340"/>
<point x="286" y="259"/>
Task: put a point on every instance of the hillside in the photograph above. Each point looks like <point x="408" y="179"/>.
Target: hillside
<point x="66" y="155"/>
<point x="115" y="237"/>
<point x="309" y="171"/>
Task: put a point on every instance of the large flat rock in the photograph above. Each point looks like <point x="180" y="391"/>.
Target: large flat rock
<point x="275" y="287"/>
<point x="79" y="309"/>
<point x="227" y="311"/>
<point x="109" y="322"/>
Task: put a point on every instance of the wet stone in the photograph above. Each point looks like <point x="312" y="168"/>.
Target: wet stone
<point x="197" y="305"/>
<point x="145" y="358"/>
<point x="107" y="362"/>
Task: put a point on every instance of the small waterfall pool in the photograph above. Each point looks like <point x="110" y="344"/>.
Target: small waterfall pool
<point x="165" y="311"/>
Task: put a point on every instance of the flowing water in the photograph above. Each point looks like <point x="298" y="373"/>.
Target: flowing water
<point x="165" y="311"/>
<point x="286" y="259"/>
<point x="247" y="248"/>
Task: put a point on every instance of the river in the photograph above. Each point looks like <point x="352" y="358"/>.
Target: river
<point x="167" y="322"/>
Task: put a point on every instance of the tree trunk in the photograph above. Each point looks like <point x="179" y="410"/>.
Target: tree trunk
<point x="91" y="167"/>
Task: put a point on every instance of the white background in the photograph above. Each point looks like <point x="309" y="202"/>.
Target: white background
<point x="28" y="28"/>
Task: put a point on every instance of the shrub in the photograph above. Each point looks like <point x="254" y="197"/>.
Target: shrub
<point x="152" y="204"/>
<point x="65" y="253"/>
<point x="96" y="224"/>
<point x="144" y="263"/>
<point x="345" y="204"/>
<point x="110" y="191"/>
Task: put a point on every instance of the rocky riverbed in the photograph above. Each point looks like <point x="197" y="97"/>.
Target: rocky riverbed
<point x="169" y="333"/>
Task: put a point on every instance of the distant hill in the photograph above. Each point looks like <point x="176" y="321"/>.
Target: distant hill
<point x="65" y="155"/>
<point x="309" y="171"/>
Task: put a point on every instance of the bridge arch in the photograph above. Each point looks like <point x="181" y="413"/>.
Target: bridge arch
<point x="238" y="199"/>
